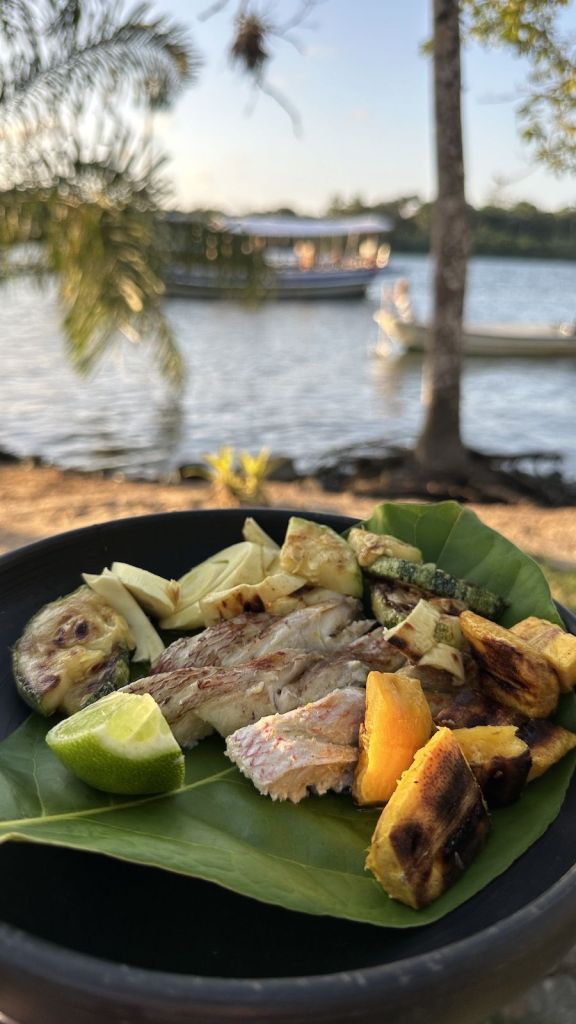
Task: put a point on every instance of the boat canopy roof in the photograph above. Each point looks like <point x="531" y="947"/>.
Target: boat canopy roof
<point x="304" y="227"/>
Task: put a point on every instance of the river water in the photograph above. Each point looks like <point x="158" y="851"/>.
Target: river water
<point x="298" y="377"/>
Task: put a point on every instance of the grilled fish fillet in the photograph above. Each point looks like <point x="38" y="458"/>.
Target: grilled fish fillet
<point x="323" y="627"/>
<point x="196" y="700"/>
<point x="313" y="748"/>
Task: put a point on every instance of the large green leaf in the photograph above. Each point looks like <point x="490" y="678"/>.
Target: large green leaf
<point x="307" y="857"/>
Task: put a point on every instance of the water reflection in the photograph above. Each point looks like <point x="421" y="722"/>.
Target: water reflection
<point x="298" y="377"/>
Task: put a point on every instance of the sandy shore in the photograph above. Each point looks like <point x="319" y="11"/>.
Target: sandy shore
<point x="37" y="502"/>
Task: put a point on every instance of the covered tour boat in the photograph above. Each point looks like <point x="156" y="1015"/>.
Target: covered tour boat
<point x="279" y="257"/>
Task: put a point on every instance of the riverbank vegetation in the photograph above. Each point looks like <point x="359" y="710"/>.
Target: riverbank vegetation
<point x="520" y="230"/>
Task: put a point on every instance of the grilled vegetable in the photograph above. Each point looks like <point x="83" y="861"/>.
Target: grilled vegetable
<point x="148" y="644"/>
<point x="244" y="563"/>
<point x="155" y="595"/>
<point x="74" y="651"/>
<point x="557" y="646"/>
<point x="253" y="532"/>
<point x="391" y="604"/>
<point x="520" y="676"/>
<point x="548" y="744"/>
<point x="415" y="635"/>
<point x="248" y="597"/>
<point x="321" y="556"/>
<point x="396" y="724"/>
<point x="499" y="759"/>
<point x="469" y="708"/>
<point x="368" y="547"/>
<point x="430" y="578"/>
<point x="433" y="826"/>
<point x="445" y="659"/>
<point x="448" y="631"/>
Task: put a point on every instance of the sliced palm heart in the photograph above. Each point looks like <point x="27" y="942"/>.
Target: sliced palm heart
<point x="253" y="532"/>
<point x="149" y="646"/>
<point x="432" y="828"/>
<point x="321" y="556"/>
<point x="121" y="744"/>
<point x="248" y="597"/>
<point x="446" y="659"/>
<point x="517" y="674"/>
<point x="416" y="634"/>
<point x="155" y="594"/>
<point x="396" y="724"/>
<point x="245" y="563"/>
<point x="73" y="651"/>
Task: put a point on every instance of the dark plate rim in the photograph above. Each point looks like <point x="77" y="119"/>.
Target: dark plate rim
<point x="25" y="952"/>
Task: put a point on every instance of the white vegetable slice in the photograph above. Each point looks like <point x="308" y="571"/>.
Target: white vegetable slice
<point x="253" y="532"/>
<point x="155" y="594"/>
<point x="149" y="646"/>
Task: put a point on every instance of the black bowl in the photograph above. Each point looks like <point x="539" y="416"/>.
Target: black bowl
<point x="84" y="938"/>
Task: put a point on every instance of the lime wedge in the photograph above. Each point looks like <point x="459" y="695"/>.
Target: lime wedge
<point x="120" y="744"/>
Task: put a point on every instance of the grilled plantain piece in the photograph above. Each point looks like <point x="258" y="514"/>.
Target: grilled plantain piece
<point x="369" y="546"/>
<point x="469" y="708"/>
<point x="557" y="646"/>
<point x="499" y="759"/>
<point x="433" y="826"/>
<point x="548" y="744"/>
<point x="519" y="675"/>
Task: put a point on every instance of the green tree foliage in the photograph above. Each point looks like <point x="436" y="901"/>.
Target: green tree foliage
<point x="76" y="173"/>
<point x="547" y="104"/>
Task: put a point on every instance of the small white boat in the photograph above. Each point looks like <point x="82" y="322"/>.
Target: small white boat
<point x="542" y="340"/>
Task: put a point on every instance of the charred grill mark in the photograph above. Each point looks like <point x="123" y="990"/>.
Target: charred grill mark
<point x="464" y="842"/>
<point x="48" y="682"/>
<point x="503" y="778"/>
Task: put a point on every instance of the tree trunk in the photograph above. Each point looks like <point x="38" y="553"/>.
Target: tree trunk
<point x="440" y="449"/>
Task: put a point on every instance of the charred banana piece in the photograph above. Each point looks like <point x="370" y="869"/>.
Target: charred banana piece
<point x="499" y="759"/>
<point x="433" y="826"/>
<point x="518" y="676"/>
<point x="557" y="646"/>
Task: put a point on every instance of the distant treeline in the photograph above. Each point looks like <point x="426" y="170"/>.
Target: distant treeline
<point x="520" y="230"/>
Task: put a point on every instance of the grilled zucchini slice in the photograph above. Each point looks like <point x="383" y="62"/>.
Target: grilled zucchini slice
<point x="433" y="826"/>
<point x="434" y="580"/>
<point x="321" y="556"/>
<point x="74" y="651"/>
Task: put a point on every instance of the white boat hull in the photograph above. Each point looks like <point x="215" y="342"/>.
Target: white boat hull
<point x="492" y="340"/>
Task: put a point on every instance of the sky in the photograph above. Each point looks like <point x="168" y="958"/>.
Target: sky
<point x="362" y="90"/>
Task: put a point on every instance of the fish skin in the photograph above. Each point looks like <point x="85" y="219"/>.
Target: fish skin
<point x="195" y="701"/>
<point x="183" y="694"/>
<point x="325" y="626"/>
<point x="314" y="747"/>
